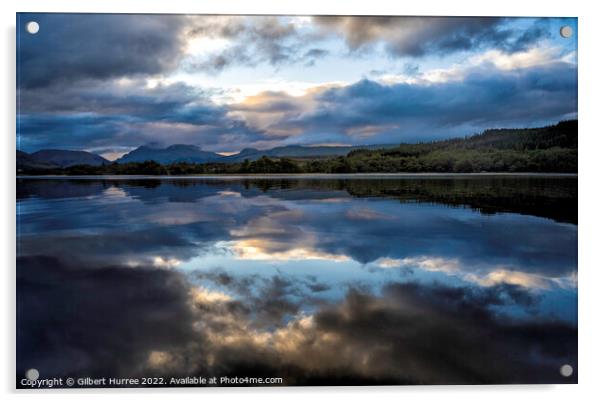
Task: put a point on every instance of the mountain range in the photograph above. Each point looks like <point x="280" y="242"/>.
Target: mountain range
<point x="543" y="149"/>
<point x="53" y="158"/>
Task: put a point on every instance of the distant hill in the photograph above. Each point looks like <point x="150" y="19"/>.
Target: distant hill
<point x="194" y="154"/>
<point x="171" y="154"/>
<point x="58" y="158"/>
<point x="543" y="149"/>
<point x="26" y="161"/>
<point x="299" y="151"/>
<point x="561" y="135"/>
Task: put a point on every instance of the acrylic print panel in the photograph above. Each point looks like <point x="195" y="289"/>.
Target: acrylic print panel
<point x="230" y="200"/>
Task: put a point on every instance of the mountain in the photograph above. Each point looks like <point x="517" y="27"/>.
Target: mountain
<point x="194" y="154"/>
<point x="53" y="158"/>
<point x="299" y="151"/>
<point x="242" y="155"/>
<point x="171" y="154"/>
<point x="27" y="162"/>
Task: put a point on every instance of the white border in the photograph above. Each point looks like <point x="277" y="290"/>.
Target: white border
<point x="590" y="148"/>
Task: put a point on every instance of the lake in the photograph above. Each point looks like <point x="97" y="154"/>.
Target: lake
<point x="316" y="280"/>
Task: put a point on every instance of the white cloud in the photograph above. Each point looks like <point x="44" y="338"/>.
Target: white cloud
<point x="533" y="57"/>
<point x="536" y="56"/>
<point x="203" y="45"/>
<point x="483" y="276"/>
<point x="263" y="250"/>
<point x="433" y="264"/>
<point x="524" y="279"/>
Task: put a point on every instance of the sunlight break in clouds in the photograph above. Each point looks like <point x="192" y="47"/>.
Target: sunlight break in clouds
<point x="483" y="276"/>
<point x="523" y="279"/>
<point x="436" y="264"/>
<point x="261" y="250"/>
<point x="162" y="262"/>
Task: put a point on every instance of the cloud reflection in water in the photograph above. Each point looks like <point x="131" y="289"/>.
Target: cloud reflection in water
<point x="243" y="277"/>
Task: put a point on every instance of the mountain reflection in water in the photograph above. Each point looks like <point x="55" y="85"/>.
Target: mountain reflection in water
<point x="465" y="280"/>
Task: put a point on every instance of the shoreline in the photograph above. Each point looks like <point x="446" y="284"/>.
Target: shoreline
<point x="331" y="176"/>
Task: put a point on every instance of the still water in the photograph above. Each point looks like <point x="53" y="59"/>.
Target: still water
<point x="323" y="281"/>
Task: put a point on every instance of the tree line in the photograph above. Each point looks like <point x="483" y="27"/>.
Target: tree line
<point x="550" y="149"/>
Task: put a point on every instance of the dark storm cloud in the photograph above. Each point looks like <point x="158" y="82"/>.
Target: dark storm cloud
<point x="418" y="36"/>
<point x="71" y="47"/>
<point x="115" y="97"/>
<point x="67" y="131"/>
<point x="95" y="115"/>
<point x="486" y="97"/>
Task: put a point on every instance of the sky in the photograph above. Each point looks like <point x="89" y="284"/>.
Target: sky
<point x="108" y="83"/>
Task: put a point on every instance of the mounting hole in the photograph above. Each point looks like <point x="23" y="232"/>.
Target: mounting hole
<point x="566" y="370"/>
<point x="32" y="374"/>
<point x="566" y="31"/>
<point x="32" y="27"/>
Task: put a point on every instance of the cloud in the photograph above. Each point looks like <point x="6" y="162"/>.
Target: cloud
<point x="406" y="334"/>
<point x="143" y="45"/>
<point x="262" y="250"/>
<point x="261" y="111"/>
<point x="271" y="300"/>
<point x="124" y="113"/>
<point x="122" y="96"/>
<point x="109" y="95"/>
<point x="250" y="41"/>
<point x="403" y="333"/>
<point x="97" y="322"/>
<point x="419" y="36"/>
<point x="523" y="279"/>
<point x="526" y="89"/>
<point x="519" y="60"/>
<point x="483" y="275"/>
<point x="486" y="97"/>
<point x="487" y="62"/>
<point x="205" y="318"/>
<point x="72" y="47"/>
<point x="434" y="264"/>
